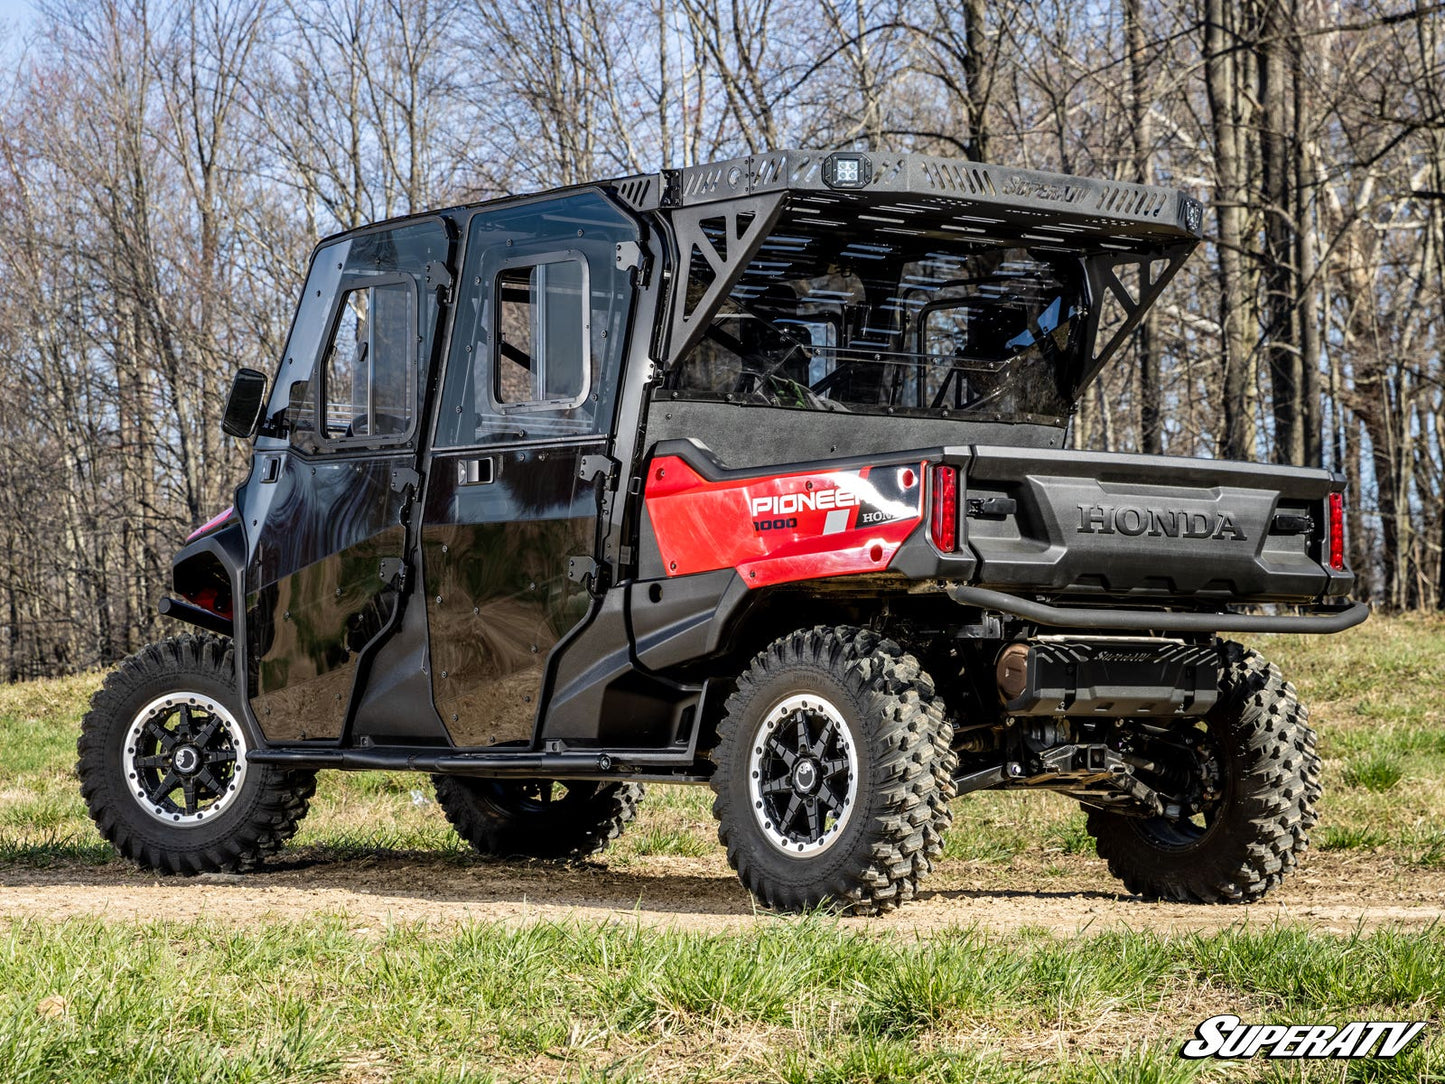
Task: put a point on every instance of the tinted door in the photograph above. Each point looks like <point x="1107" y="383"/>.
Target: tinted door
<point x="532" y="376"/>
<point x="324" y="513"/>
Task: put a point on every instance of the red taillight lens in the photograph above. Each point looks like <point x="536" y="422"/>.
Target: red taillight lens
<point x="1337" y="531"/>
<point x="943" y="524"/>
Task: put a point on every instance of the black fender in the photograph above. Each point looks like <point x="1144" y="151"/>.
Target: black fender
<point x="207" y="575"/>
<point x="216" y="561"/>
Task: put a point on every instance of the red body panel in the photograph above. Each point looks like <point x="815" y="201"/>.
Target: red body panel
<point x="785" y="527"/>
<point x="212" y="523"/>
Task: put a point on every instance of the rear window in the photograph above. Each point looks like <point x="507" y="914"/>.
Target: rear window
<point x="541" y="342"/>
<point x="821" y="320"/>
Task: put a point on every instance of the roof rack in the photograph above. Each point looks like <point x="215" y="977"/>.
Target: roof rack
<point x="982" y="199"/>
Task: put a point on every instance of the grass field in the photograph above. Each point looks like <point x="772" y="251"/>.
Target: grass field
<point x="330" y="997"/>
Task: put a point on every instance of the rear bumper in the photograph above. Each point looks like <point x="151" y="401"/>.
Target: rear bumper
<point x="1321" y="620"/>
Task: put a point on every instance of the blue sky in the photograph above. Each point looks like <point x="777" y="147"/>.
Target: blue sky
<point x="15" y="18"/>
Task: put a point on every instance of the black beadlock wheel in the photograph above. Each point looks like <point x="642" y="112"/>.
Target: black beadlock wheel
<point x="537" y="818"/>
<point x="162" y="764"/>
<point x="1257" y="755"/>
<point x="834" y="773"/>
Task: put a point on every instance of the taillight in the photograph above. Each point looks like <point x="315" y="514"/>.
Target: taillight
<point x="943" y="524"/>
<point x="1337" y="531"/>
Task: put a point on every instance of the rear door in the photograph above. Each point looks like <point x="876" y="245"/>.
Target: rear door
<point x="324" y="514"/>
<point x="534" y="365"/>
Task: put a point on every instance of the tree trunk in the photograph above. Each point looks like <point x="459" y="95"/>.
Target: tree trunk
<point x="1236" y="440"/>
<point x="1151" y="435"/>
<point x="976" y="146"/>
<point x="1282" y="340"/>
<point x="1311" y="415"/>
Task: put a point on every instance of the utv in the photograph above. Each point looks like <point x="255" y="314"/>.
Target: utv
<point x="749" y="475"/>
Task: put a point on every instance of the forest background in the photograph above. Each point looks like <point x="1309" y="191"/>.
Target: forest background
<point x="166" y="167"/>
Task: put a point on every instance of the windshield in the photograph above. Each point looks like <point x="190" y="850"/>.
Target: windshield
<point x="823" y="319"/>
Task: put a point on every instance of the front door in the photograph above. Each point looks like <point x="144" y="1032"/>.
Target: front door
<point x="325" y="512"/>
<point x="532" y="376"/>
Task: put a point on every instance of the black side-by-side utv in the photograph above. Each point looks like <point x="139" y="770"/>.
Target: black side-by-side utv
<point x="750" y="475"/>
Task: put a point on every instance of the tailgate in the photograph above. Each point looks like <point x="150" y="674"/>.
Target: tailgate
<point x="1096" y="523"/>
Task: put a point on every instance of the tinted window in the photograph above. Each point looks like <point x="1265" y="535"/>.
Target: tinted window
<point x="541" y="323"/>
<point x="368" y="382"/>
<point x="541" y="344"/>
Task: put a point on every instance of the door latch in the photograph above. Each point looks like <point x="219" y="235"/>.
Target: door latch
<point x="476" y="472"/>
<point x="1292" y="523"/>
<point x="984" y="507"/>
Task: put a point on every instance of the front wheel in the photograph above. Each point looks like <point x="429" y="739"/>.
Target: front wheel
<point x="162" y="764"/>
<point x="833" y="773"/>
<point x="1258" y="778"/>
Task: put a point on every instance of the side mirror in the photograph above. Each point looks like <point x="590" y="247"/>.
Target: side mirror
<point x="243" y="407"/>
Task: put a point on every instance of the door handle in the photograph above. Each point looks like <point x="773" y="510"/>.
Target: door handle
<point x="476" y="472"/>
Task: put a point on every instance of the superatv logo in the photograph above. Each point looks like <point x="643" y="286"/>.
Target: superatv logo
<point x="1123" y="656"/>
<point x="1157" y="523"/>
<point x="1227" y="1036"/>
<point x="1024" y="186"/>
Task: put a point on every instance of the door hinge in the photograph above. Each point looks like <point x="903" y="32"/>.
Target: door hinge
<point x="439" y="278"/>
<point x="393" y="572"/>
<point x="582" y="569"/>
<point x="401" y="477"/>
<point x="629" y="255"/>
<point x="671" y="188"/>
<point x="595" y="464"/>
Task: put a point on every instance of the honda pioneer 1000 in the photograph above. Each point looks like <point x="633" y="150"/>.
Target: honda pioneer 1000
<point x="750" y="475"/>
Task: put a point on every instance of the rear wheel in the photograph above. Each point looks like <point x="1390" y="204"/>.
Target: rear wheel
<point x="537" y="818"/>
<point x="162" y="764"/>
<point x="1255" y="768"/>
<point x="833" y="773"/>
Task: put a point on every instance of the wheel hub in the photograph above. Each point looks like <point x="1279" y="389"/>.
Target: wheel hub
<point x="184" y="758"/>
<point x="803" y="775"/>
<point x="806" y="776"/>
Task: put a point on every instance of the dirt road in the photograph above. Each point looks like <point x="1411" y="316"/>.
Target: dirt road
<point x="1335" y="892"/>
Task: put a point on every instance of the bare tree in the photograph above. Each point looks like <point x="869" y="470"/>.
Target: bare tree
<point x="165" y="167"/>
